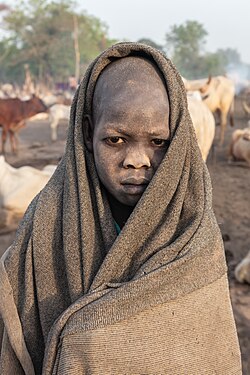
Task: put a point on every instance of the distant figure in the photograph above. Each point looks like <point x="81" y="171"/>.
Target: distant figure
<point x="73" y="83"/>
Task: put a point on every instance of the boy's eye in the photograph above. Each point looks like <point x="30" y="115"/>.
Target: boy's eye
<point x="114" y="140"/>
<point x="160" y="142"/>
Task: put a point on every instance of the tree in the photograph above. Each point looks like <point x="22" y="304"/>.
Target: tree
<point x="185" y="44"/>
<point x="221" y="62"/>
<point x="229" y="57"/>
<point x="52" y="37"/>
<point x="151" y="43"/>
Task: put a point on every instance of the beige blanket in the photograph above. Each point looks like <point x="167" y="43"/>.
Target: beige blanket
<point x="153" y="300"/>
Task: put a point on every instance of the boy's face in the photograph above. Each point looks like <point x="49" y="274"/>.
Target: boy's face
<point x="130" y="137"/>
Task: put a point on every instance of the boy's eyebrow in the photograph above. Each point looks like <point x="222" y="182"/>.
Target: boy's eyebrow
<point x="117" y="130"/>
<point x="124" y="132"/>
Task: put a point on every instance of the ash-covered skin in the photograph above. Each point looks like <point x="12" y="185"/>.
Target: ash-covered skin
<point x="129" y="129"/>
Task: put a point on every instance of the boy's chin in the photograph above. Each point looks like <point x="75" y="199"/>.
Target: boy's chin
<point x="129" y="201"/>
<point x="126" y="199"/>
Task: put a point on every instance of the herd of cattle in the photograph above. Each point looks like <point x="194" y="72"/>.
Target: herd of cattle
<point x="207" y="98"/>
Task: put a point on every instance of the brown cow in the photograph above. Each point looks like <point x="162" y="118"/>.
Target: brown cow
<point x="13" y="113"/>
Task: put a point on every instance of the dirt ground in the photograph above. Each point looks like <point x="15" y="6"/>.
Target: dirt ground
<point x="231" y="183"/>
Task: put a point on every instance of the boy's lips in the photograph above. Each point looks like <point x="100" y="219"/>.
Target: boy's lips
<point x="134" y="185"/>
<point x="135" y="181"/>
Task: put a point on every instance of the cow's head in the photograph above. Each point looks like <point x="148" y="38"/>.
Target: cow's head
<point x="204" y="88"/>
<point x="38" y="104"/>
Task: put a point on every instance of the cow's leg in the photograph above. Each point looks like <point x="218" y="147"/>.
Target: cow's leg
<point x="223" y="124"/>
<point x="231" y="113"/>
<point x="217" y="117"/>
<point x="20" y="125"/>
<point x="230" y="156"/>
<point x="53" y="127"/>
<point x="4" y="137"/>
<point x="13" y="141"/>
<point x="17" y="139"/>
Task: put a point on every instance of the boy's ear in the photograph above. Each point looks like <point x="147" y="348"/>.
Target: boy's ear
<point x="88" y="130"/>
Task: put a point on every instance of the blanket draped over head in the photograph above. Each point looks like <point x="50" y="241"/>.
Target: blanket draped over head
<point x="78" y="299"/>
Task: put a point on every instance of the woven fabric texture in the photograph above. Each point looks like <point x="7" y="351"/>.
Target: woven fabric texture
<point x="76" y="284"/>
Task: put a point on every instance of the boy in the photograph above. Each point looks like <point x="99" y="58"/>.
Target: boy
<point x="118" y="266"/>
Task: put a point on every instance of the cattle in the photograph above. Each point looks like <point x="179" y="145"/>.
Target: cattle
<point x="51" y="99"/>
<point x="240" y="145"/>
<point x="18" y="186"/>
<point x="56" y="113"/>
<point x="204" y="123"/>
<point x="242" y="271"/>
<point x="218" y="94"/>
<point x="13" y="113"/>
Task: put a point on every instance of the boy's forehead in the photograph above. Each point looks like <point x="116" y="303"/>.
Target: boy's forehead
<point x="129" y="69"/>
<point x="129" y="81"/>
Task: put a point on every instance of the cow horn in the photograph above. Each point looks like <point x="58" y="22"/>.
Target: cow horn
<point x="246" y="107"/>
<point x="205" y="87"/>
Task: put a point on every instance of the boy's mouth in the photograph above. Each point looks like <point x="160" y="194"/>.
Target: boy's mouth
<point x="135" y="186"/>
<point x="135" y="181"/>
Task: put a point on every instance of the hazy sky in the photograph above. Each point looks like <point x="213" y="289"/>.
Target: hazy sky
<point x="226" y="21"/>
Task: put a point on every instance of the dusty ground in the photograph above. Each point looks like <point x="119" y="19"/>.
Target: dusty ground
<point x="231" y="185"/>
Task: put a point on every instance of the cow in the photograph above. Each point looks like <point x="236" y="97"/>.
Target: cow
<point x="218" y="94"/>
<point x="56" y="113"/>
<point x="203" y="121"/>
<point x="18" y="186"/>
<point x="51" y="99"/>
<point x="242" y="271"/>
<point x="240" y="145"/>
<point x="13" y="113"/>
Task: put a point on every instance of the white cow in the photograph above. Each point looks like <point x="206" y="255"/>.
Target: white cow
<point x="58" y="98"/>
<point x="218" y="94"/>
<point x="242" y="271"/>
<point x="56" y="113"/>
<point x="204" y="123"/>
<point x="240" y="145"/>
<point x="18" y="186"/>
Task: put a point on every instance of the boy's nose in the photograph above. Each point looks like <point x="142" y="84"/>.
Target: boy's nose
<point x="136" y="158"/>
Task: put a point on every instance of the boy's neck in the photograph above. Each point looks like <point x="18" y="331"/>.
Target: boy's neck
<point x="120" y="211"/>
